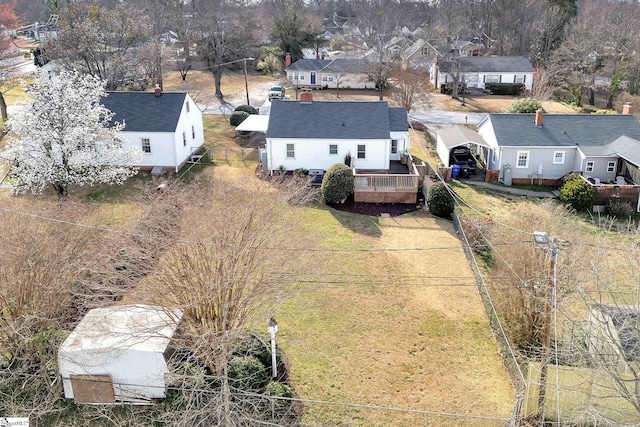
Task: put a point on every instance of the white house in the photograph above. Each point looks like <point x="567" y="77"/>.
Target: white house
<point x="329" y="73"/>
<point x="545" y="147"/>
<point x="477" y="71"/>
<point x="118" y="354"/>
<point x="316" y="135"/>
<point x="166" y="126"/>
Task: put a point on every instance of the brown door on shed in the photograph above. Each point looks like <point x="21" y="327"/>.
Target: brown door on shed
<point x="92" y="388"/>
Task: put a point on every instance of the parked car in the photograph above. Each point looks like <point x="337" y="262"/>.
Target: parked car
<point x="275" y="92"/>
<point x="462" y="157"/>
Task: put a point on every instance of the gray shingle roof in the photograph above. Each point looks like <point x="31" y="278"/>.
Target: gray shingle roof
<point x="340" y="65"/>
<point x="398" y="121"/>
<point x="145" y="112"/>
<point x="519" y="130"/>
<point x="330" y="120"/>
<point x="497" y="64"/>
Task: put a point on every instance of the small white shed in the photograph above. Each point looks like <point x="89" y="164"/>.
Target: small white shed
<point x="118" y="354"/>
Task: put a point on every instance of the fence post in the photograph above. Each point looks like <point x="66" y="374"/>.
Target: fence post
<point x="426" y="420"/>
<point x="242" y="155"/>
<point x="226" y="154"/>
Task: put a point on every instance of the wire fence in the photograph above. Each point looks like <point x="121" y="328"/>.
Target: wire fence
<point x="233" y="155"/>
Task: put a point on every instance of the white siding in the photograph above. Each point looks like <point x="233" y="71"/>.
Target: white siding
<point x="599" y="168"/>
<point x="442" y="150"/>
<point x="132" y="372"/>
<point x="192" y="118"/>
<point x="167" y="148"/>
<point x="347" y="80"/>
<point x="314" y="153"/>
<point x="506" y="78"/>
<point x="403" y="144"/>
<point x="162" y="148"/>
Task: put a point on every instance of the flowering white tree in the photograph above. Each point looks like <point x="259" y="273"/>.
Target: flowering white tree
<point x="64" y="137"/>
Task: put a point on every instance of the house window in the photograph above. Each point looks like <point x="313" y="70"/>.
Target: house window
<point x="362" y="151"/>
<point x="522" y="159"/>
<point x="558" y="157"/>
<point x="330" y="78"/>
<point x="394" y="146"/>
<point x="333" y="148"/>
<point x="291" y="151"/>
<point x="589" y="167"/>
<point x="611" y="167"/>
<point x="324" y="78"/>
<point x="184" y="139"/>
<point x="193" y="132"/>
<point x="187" y="106"/>
<point x="519" y="78"/>
<point x="146" y="145"/>
<point x="492" y="78"/>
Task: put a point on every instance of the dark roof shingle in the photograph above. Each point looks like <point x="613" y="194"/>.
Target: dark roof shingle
<point x="558" y="130"/>
<point x="329" y="120"/>
<point x="495" y="64"/>
<point x="145" y="112"/>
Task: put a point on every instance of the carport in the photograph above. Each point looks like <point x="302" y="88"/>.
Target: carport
<point x="254" y="123"/>
<point x="455" y="136"/>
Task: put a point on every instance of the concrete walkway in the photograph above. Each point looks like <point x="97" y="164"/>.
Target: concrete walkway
<point x="510" y="190"/>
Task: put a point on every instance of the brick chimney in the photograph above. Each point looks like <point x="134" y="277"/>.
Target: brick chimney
<point x="157" y="90"/>
<point x="287" y="60"/>
<point x="538" y="119"/>
<point x="627" y="108"/>
<point x="306" y="95"/>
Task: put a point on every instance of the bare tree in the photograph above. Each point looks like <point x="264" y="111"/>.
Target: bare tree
<point x="542" y="89"/>
<point x="234" y="272"/>
<point x="410" y="84"/>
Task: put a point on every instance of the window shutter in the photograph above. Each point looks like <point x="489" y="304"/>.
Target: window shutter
<point x="500" y="79"/>
<point x="484" y="79"/>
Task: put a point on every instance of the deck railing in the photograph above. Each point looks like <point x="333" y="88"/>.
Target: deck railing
<point x="389" y="182"/>
<point x="602" y="193"/>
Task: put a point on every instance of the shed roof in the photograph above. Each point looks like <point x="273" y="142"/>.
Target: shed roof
<point x="459" y="135"/>
<point x="582" y="130"/>
<point x="497" y="64"/>
<point x="331" y="120"/>
<point x="144" y="111"/>
<point x="136" y="327"/>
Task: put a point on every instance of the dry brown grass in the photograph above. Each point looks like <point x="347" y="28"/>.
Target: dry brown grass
<point x="492" y="104"/>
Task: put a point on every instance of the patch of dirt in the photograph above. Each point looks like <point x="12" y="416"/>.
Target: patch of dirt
<point x="377" y="209"/>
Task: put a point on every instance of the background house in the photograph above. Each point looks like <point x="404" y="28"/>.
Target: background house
<point x="544" y="148"/>
<point x="167" y="126"/>
<point x="329" y="73"/>
<point x="118" y="354"/>
<point x="477" y="71"/>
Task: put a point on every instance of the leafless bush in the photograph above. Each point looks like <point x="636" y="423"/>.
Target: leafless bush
<point x="521" y="278"/>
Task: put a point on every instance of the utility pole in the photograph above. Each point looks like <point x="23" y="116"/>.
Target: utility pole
<point x="551" y="247"/>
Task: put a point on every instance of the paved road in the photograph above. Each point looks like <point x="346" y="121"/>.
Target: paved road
<point x="440" y="117"/>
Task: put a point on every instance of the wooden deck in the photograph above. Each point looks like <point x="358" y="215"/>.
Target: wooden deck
<point x="398" y="184"/>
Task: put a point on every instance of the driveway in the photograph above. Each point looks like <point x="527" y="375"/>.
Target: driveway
<point x="257" y="97"/>
<point x="441" y="118"/>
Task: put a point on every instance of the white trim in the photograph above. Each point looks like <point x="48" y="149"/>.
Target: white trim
<point x="558" y="160"/>
<point x="527" y="155"/>
<point x="611" y="166"/>
<point x="589" y="168"/>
